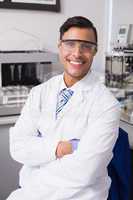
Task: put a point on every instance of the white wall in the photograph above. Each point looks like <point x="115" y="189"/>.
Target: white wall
<point x="45" y="25"/>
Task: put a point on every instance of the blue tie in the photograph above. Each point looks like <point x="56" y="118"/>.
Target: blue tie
<point x="63" y="98"/>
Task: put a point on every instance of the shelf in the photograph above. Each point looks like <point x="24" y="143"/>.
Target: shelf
<point x="27" y="57"/>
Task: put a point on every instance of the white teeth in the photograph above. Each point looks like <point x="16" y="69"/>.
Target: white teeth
<point x="76" y="62"/>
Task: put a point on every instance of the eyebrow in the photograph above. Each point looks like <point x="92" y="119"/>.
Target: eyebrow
<point x="86" y="41"/>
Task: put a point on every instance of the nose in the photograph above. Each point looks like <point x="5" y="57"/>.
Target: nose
<point x="77" y="50"/>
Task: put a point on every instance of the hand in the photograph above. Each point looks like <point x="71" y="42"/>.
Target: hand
<point x="63" y="148"/>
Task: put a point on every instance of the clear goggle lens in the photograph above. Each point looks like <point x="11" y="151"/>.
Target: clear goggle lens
<point x="85" y="46"/>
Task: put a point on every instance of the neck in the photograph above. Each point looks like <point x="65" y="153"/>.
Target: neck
<point x="69" y="81"/>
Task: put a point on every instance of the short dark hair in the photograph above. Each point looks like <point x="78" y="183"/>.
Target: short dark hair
<point x="77" y="21"/>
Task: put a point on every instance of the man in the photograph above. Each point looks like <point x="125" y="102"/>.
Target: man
<point x="66" y="145"/>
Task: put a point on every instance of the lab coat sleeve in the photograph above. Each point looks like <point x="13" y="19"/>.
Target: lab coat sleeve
<point x="25" y="146"/>
<point x="94" y="152"/>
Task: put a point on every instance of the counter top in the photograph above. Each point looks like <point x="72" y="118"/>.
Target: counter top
<point x="8" y="119"/>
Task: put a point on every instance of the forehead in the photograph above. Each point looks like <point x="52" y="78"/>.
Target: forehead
<point x="80" y="34"/>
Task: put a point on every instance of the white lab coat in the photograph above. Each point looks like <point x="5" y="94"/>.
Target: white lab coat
<point x="91" y="115"/>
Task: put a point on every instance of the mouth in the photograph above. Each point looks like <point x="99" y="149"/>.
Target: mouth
<point x="76" y="62"/>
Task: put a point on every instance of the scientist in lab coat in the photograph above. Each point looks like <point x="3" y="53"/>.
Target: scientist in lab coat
<point x="65" y="148"/>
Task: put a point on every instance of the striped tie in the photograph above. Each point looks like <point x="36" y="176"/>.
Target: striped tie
<point x="63" y="98"/>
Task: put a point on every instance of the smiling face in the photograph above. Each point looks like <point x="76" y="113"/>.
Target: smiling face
<point x="76" y="56"/>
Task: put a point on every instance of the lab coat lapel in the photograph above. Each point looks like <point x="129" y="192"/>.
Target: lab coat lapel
<point x="73" y="102"/>
<point x="82" y="88"/>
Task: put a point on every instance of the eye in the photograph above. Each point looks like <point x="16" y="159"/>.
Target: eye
<point x="70" y="43"/>
<point x="87" y="46"/>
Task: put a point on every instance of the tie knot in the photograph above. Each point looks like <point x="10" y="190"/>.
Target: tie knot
<point x="66" y="93"/>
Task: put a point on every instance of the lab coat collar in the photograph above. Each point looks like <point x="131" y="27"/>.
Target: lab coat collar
<point x="86" y="83"/>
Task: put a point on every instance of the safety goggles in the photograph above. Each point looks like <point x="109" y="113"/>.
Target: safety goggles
<point x="83" y="45"/>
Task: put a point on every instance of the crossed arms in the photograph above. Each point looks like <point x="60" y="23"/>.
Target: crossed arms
<point x="93" y="151"/>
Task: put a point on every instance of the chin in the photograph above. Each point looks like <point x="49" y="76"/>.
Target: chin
<point x="77" y="75"/>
